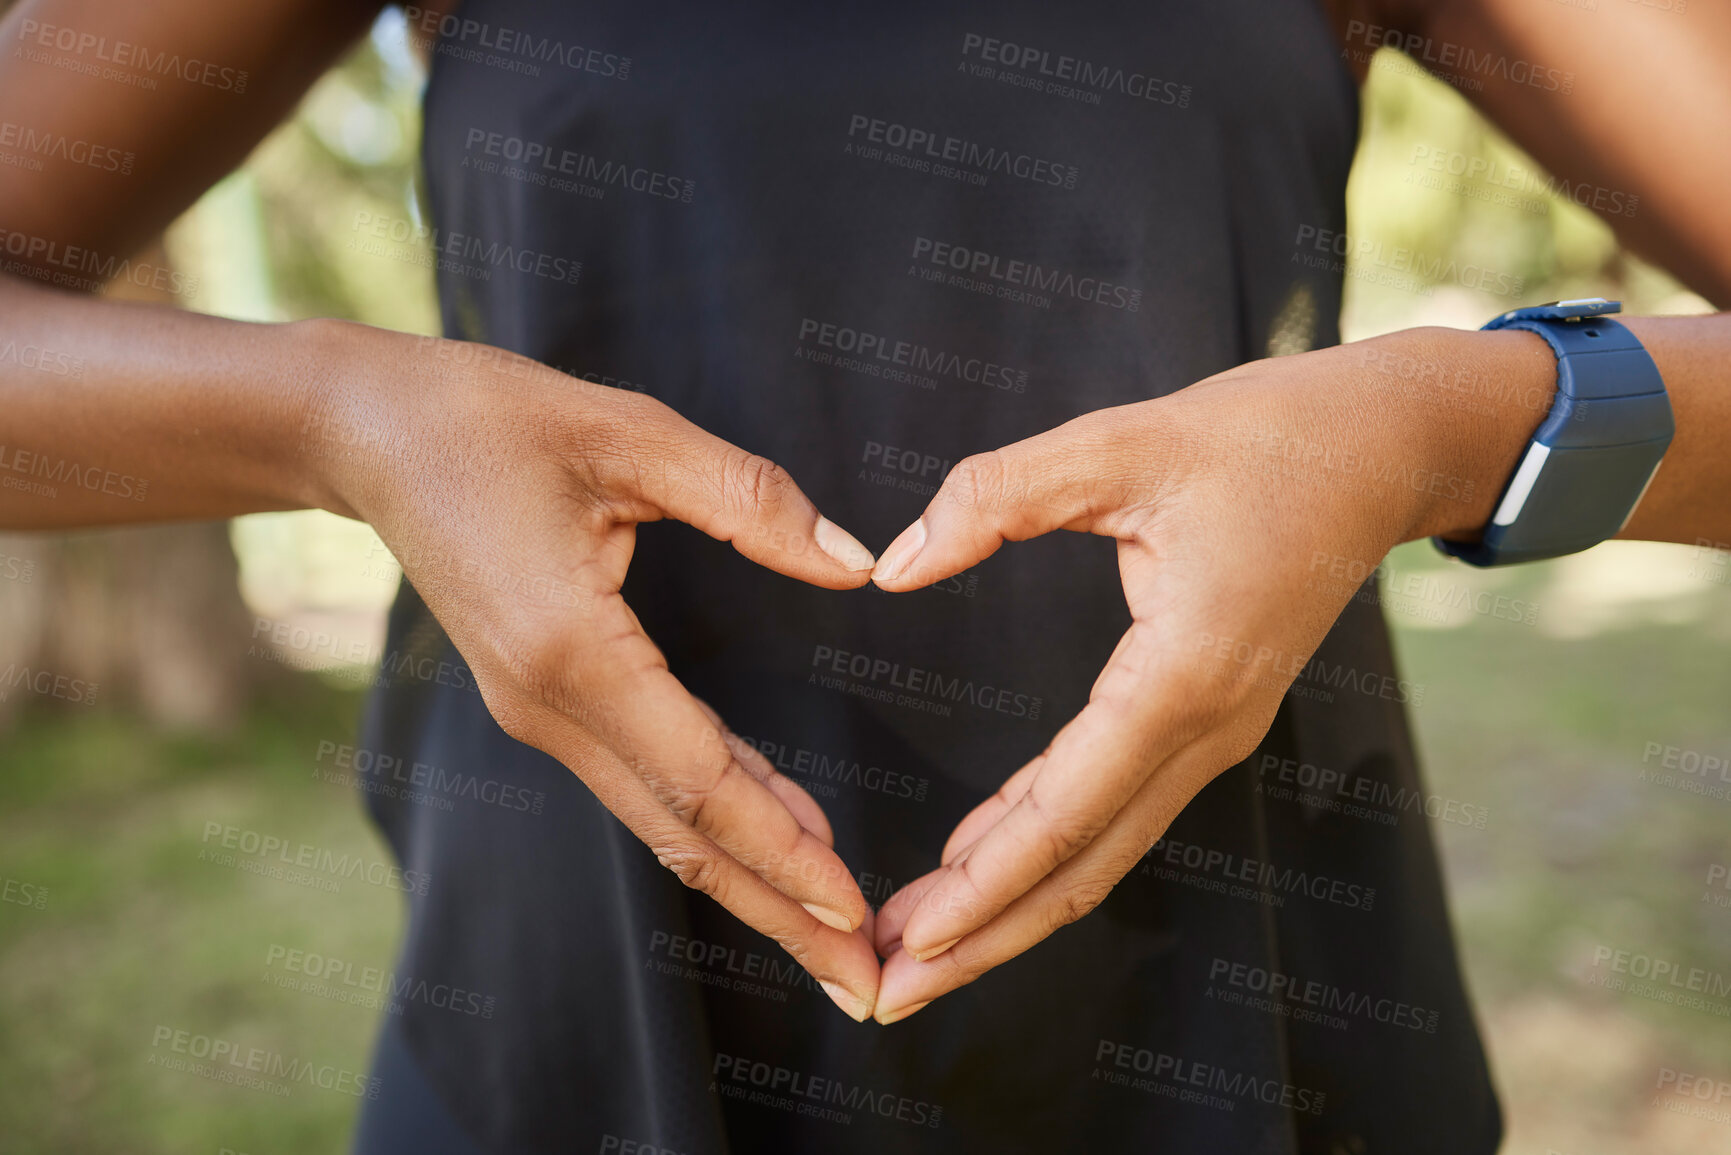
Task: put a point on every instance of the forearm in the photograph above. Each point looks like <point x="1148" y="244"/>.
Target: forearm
<point x="114" y="413"/>
<point x="1489" y="391"/>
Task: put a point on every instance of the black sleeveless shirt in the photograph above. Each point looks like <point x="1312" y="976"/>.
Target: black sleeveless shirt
<point x="867" y="240"/>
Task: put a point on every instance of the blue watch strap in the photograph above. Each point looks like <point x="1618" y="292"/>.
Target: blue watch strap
<point x="1593" y="456"/>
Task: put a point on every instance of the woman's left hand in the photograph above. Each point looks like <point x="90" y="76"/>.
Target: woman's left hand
<point x="1247" y="509"/>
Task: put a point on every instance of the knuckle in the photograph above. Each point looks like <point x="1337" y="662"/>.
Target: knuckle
<point x="1073" y="902"/>
<point x="754" y="482"/>
<point x="1061" y="838"/>
<point x="692" y="802"/>
<point x="514" y="715"/>
<point x="958" y="967"/>
<point x="698" y="868"/>
<point x="980" y="482"/>
<point x="1243" y="744"/>
<point x="1205" y="708"/>
<point x="547" y="677"/>
<point x="538" y="673"/>
<point x="799" y="948"/>
<point x="617" y="446"/>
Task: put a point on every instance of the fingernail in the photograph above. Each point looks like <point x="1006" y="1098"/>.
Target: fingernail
<point x="897" y="1016"/>
<point x="901" y="552"/>
<point x="935" y="951"/>
<point x="841" y="545"/>
<point x="828" y="917"/>
<point x="851" y="1004"/>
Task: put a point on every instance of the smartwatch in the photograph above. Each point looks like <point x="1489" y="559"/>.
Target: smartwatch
<point x="1591" y="461"/>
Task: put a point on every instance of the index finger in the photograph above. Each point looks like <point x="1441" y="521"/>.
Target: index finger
<point x="842" y="962"/>
<point x="614" y="683"/>
<point x="1137" y="717"/>
<point x="1061" y="897"/>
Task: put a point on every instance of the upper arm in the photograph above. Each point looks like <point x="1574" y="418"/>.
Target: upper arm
<point x="1633" y="98"/>
<point x="116" y="114"/>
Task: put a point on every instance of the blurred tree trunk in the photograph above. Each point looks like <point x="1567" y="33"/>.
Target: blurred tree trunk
<point x="152" y="615"/>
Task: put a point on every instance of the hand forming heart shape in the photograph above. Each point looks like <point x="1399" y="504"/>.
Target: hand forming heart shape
<point x="1220" y="497"/>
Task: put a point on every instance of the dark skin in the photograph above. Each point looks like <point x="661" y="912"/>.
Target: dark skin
<point x="226" y="418"/>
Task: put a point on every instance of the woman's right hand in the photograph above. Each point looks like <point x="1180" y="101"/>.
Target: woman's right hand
<point x="510" y="493"/>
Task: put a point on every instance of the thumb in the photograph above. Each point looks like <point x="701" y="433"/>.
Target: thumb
<point x="1011" y="494"/>
<point x="743" y="498"/>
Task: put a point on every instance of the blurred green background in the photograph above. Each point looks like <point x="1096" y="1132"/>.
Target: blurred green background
<point x="113" y="925"/>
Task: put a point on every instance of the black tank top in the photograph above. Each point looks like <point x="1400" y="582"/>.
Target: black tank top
<point x="867" y="240"/>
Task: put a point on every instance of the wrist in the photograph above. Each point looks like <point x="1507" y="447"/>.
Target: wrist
<point x="1465" y="404"/>
<point x="344" y="374"/>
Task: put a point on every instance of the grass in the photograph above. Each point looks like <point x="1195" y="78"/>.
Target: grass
<point x="1580" y="853"/>
<point x="139" y="933"/>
